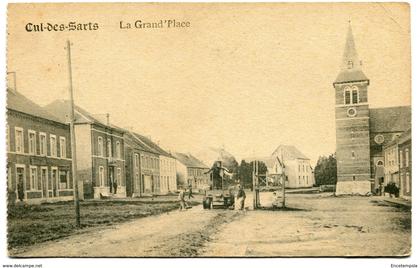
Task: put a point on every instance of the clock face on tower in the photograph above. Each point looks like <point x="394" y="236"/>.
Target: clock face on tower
<point x="351" y="112"/>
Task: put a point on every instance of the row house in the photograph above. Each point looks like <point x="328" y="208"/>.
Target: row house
<point x="397" y="163"/>
<point x="191" y="171"/>
<point x="99" y="153"/>
<point x="150" y="169"/>
<point x="167" y="166"/>
<point x="38" y="152"/>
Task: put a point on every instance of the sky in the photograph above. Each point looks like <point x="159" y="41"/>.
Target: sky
<point x="244" y="76"/>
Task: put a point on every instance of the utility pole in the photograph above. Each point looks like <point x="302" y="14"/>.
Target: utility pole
<point x="73" y="140"/>
<point x="283" y="176"/>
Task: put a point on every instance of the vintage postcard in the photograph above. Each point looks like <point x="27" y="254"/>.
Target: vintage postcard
<point x="208" y="130"/>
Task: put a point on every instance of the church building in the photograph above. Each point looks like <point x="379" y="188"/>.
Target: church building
<point x="362" y="132"/>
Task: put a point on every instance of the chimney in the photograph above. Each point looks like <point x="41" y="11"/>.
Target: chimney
<point x="107" y="119"/>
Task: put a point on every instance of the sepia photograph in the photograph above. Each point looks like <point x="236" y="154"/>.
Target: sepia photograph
<point x="180" y="130"/>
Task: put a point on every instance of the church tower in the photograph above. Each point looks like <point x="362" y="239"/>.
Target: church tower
<point x="352" y="123"/>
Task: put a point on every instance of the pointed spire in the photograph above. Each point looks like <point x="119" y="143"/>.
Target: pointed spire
<point x="351" y="67"/>
<point x="350" y="57"/>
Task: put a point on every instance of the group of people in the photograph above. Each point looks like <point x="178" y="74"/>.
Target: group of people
<point x="240" y="197"/>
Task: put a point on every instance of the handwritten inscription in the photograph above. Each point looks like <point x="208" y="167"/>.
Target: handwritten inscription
<point x="139" y="24"/>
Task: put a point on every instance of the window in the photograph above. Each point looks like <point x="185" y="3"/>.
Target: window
<point x="407" y="182"/>
<point x="63" y="176"/>
<point x="33" y="178"/>
<point x="101" y="176"/>
<point x="136" y="161"/>
<point x="32" y="142"/>
<point x="100" y="146"/>
<point x="351" y="95"/>
<point x="407" y="158"/>
<point x="353" y="155"/>
<point x="347" y="97"/>
<point x="350" y="64"/>
<point x="53" y="145"/>
<point x="118" y="150"/>
<point x="109" y="145"/>
<point x="142" y="161"/>
<point x="44" y="177"/>
<point x="354" y="96"/>
<point x="42" y="143"/>
<point x="401" y="159"/>
<point x="63" y="153"/>
<point x="119" y="182"/>
<point x="19" y="140"/>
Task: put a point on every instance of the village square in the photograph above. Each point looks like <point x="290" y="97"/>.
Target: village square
<point x="79" y="184"/>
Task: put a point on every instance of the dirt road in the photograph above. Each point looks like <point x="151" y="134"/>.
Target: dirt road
<point x="177" y="233"/>
<point x="314" y="225"/>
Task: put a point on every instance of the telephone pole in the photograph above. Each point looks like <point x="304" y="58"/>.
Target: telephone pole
<point x="73" y="140"/>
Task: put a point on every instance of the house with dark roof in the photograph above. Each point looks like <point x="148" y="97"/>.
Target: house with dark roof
<point x="362" y="132"/>
<point x="38" y="152"/>
<point x="149" y="168"/>
<point x="191" y="171"/>
<point x="99" y="152"/>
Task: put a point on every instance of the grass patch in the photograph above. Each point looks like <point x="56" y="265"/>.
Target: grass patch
<point x="33" y="224"/>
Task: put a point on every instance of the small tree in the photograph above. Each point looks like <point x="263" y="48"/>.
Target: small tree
<point x="245" y="172"/>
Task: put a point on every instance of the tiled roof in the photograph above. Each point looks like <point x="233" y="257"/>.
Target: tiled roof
<point x="189" y="160"/>
<point x="18" y="102"/>
<point x="288" y="152"/>
<point x="60" y="108"/>
<point x="132" y="140"/>
<point x="268" y="161"/>
<point x="153" y="146"/>
<point x="390" y="119"/>
<point x="352" y="75"/>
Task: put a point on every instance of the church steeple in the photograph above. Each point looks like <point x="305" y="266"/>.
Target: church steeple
<point x="350" y="58"/>
<point x="351" y="68"/>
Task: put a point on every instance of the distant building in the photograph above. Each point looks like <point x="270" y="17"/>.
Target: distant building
<point x="38" y="152"/>
<point x="297" y="166"/>
<point x="191" y="171"/>
<point x="397" y="163"/>
<point x="275" y="168"/>
<point x="361" y="132"/>
<point x="163" y="168"/>
<point x="99" y="152"/>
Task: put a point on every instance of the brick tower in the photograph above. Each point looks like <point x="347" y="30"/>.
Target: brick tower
<point x="352" y="124"/>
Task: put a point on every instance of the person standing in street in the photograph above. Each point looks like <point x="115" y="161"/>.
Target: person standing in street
<point x="181" y="199"/>
<point x="190" y="195"/>
<point x="240" y="197"/>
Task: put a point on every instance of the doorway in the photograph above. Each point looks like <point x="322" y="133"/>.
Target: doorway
<point x="111" y="178"/>
<point x="44" y="182"/>
<point x="54" y="181"/>
<point x="20" y="183"/>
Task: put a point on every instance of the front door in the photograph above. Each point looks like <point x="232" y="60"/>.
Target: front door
<point x="111" y="178"/>
<point x="54" y="181"/>
<point x="44" y="180"/>
<point x="20" y="179"/>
